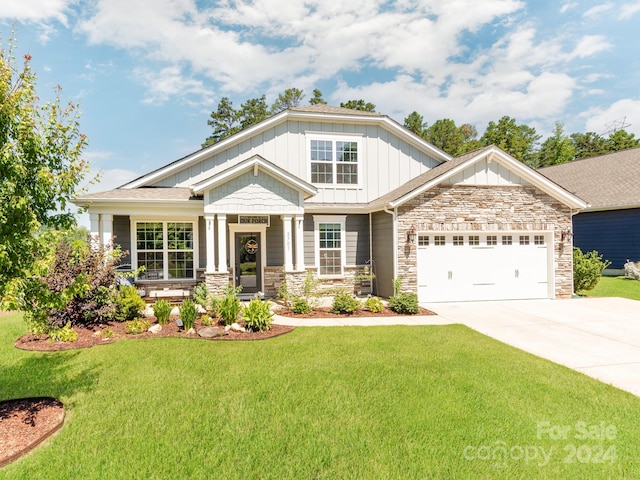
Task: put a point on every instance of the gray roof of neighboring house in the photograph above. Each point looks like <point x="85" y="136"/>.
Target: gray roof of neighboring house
<point x="604" y="182"/>
<point x="323" y="108"/>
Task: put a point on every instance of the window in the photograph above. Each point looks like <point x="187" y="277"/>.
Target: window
<point x="330" y="241"/>
<point x="334" y="161"/>
<point x="524" y="239"/>
<point x="474" y="240"/>
<point x="165" y="250"/>
<point x="458" y="240"/>
<point x="438" y="240"/>
<point x="507" y="240"/>
<point x="423" y="240"/>
<point x="538" y="239"/>
<point x="492" y="240"/>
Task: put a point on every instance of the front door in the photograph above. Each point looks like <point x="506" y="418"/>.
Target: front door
<point x="248" y="267"/>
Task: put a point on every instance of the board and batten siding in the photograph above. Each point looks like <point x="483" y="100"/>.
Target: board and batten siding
<point x="382" y="253"/>
<point x="386" y="161"/>
<point x="614" y="234"/>
<point x="202" y="243"/>
<point x="356" y="238"/>
<point x="275" y="242"/>
<point x="488" y="173"/>
<point x="122" y="237"/>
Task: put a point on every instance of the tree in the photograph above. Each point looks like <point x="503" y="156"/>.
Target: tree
<point x="470" y="140"/>
<point x="225" y="122"/>
<point x="415" y="122"/>
<point x="359" y="105"/>
<point x="40" y="166"/>
<point x="622" y="140"/>
<point x="556" y="149"/>
<point x="253" y="111"/>
<point x="518" y="141"/>
<point x="317" y="98"/>
<point x="291" y="97"/>
<point x="589" y="144"/>
<point x="445" y="135"/>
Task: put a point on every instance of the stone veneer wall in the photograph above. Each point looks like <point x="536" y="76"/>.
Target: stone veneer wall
<point x="274" y="276"/>
<point x="216" y="282"/>
<point x="486" y="208"/>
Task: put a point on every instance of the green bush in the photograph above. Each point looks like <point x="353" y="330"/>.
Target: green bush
<point x="587" y="269"/>
<point x="206" y="320"/>
<point x="373" y="304"/>
<point x="129" y="304"/>
<point x="188" y="313"/>
<point x="201" y="295"/>
<point x="162" y="310"/>
<point x="257" y="315"/>
<point x="64" y="334"/>
<point x="345" y="303"/>
<point x="229" y="306"/>
<point x="300" y="305"/>
<point x="404" y="303"/>
<point x="136" y="326"/>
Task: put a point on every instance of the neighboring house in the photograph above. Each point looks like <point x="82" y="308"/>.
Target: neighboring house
<point x="610" y="184"/>
<point x="344" y="193"/>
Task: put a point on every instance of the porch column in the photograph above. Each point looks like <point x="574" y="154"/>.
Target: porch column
<point x="107" y="229"/>
<point x="94" y="218"/>
<point x="222" y="243"/>
<point x="288" y="247"/>
<point x="299" y="243"/>
<point x="210" y="243"/>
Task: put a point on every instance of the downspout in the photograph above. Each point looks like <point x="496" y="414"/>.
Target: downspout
<point x="394" y="213"/>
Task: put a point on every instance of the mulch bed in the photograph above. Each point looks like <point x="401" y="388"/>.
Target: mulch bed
<point x="325" y="312"/>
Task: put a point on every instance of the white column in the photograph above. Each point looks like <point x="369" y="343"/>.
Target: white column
<point x="210" y="243"/>
<point x="222" y="243"/>
<point x="94" y="218"/>
<point x="300" y="243"/>
<point x="288" y="246"/>
<point x="107" y="229"/>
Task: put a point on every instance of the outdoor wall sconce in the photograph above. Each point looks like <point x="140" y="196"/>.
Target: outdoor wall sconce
<point x="411" y="236"/>
<point x="565" y="235"/>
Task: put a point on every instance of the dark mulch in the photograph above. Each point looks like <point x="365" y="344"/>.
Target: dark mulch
<point x="325" y="312"/>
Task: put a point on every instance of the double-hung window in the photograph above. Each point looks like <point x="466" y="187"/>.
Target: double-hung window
<point x="165" y="250"/>
<point x="330" y="244"/>
<point x="335" y="161"/>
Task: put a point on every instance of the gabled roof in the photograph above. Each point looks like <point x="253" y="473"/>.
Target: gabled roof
<point x="605" y="182"/>
<point x="316" y="113"/>
<point x="146" y="194"/>
<point x="442" y="172"/>
<point x="255" y="163"/>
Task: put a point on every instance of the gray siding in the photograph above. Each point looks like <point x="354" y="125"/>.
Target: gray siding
<point x="122" y="234"/>
<point x="274" y="242"/>
<point x="309" y="242"/>
<point x="202" y="243"/>
<point x="382" y="228"/>
<point x="357" y="250"/>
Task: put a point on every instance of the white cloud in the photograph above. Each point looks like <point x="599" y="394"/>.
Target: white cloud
<point x="597" y="118"/>
<point x="590" y="45"/>
<point x="598" y="9"/>
<point x="568" y="6"/>
<point x="170" y="82"/>
<point x="628" y="10"/>
<point x="43" y="13"/>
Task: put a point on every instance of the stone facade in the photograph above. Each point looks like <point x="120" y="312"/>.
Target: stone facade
<point x="216" y="282"/>
<point x="352" y="281"/>
<point x="453" y="208"/>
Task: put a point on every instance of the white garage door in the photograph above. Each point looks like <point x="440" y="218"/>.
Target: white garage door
<point x="483" y="266"/>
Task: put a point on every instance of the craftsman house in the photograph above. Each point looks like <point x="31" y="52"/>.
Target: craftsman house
<point x="353" y="197"/>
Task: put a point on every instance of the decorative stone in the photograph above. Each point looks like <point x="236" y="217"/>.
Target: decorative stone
<point x="191" y="331"/>
<point x="227" y="328"/>
<point x="155" y="329"/>
<point x="210" y="332"/>
<point x="236" y="327"/>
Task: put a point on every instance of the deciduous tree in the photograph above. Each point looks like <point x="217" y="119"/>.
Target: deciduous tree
<point x="517" y="140"/>
<point x="415" y="122"/>
<point x="556" y="149"/>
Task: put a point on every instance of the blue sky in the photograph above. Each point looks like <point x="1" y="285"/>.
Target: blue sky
<point x="148" y="73"/>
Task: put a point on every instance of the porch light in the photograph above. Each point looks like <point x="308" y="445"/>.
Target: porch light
<point x="411" y="235"/>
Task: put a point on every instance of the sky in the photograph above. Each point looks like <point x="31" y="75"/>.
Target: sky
<point x="147" y="74"/>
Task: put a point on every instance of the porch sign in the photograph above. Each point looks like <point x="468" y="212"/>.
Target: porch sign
<point x="254" y="220"/>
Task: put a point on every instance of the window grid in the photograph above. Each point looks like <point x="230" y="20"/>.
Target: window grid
<point x="334" y="162"/>
<point x="507" y="240"/>
<point x="330" y="248"/>
<point x="165" y="250"/>
<point x="423" y="240"/>
<point x="458" y="240"/>
<point x="524" y="239"/>
<point x="538" y="239"/>
<point x="438" y="240"/>
<point x="474" y="240"/>
<point x="492" y="240"/>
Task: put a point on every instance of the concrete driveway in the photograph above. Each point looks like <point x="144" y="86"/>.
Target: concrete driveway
<point x="599" y="337"/>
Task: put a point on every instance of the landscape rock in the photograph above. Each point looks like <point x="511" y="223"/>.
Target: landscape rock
<point x="155" y="328"/>
<point x="236" y="327"/>
<point x="210" y="332"/>
<point x="191" y="331"/>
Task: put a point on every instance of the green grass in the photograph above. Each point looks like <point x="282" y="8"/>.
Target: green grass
<point x="615" y="287"/>
<point x="328" y="403"/>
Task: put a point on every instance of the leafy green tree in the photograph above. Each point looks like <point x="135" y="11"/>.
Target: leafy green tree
<point x="622" y="140"/>
<point x="470" y="139"/>
<point x="291" y="97"/>
<point x="40" y="166"/>
<point x="445" y="135"/>
<point x="415" y="122"/>
<point x="589" y="144"/>
<point x="253" y="111"/>
<point x="225" y="122"/>
<point x="317" y="98"/>
<point x="359" y="105"/>
<point x="556" y="149"/>
<point x="518" y="141"/>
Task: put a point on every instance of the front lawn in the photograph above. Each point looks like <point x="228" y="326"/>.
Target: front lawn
<point x="615" y="287"/>
<point x="343" y="402"/>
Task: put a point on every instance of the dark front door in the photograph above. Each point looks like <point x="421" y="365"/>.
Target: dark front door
<point x="248" y="266"/>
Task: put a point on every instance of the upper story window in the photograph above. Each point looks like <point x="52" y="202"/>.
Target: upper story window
<point x="335" y="160"/>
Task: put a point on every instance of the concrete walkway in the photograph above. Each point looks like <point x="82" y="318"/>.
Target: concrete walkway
<point x="599" y="337"/>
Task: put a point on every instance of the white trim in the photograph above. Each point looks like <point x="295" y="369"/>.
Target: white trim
<point x="340" y="219"/>
<point x="244" y="228"/>
<point x="333" y="138"/>
<point x="288" y="242"/>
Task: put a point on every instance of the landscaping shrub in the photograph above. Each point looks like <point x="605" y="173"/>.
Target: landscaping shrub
<point x="129" y="304"/>
<point x="587" y="269"/>
<point x="405" y="303"/>
<point x="206" y="320"/>
<point x="229" y="306"/>
<point x="162" y="310"/>
<point x="345" y="303"/>
<point x="201" y="295"/>
<point x="64" y="334"/>
<point x="136" y="326"/>
<point x="300" y="305"/>
<point x="632" y="270"/>
<point x="188" y="313"/>
<point x="257" y="315"/>
<point x="373" y="304"/>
